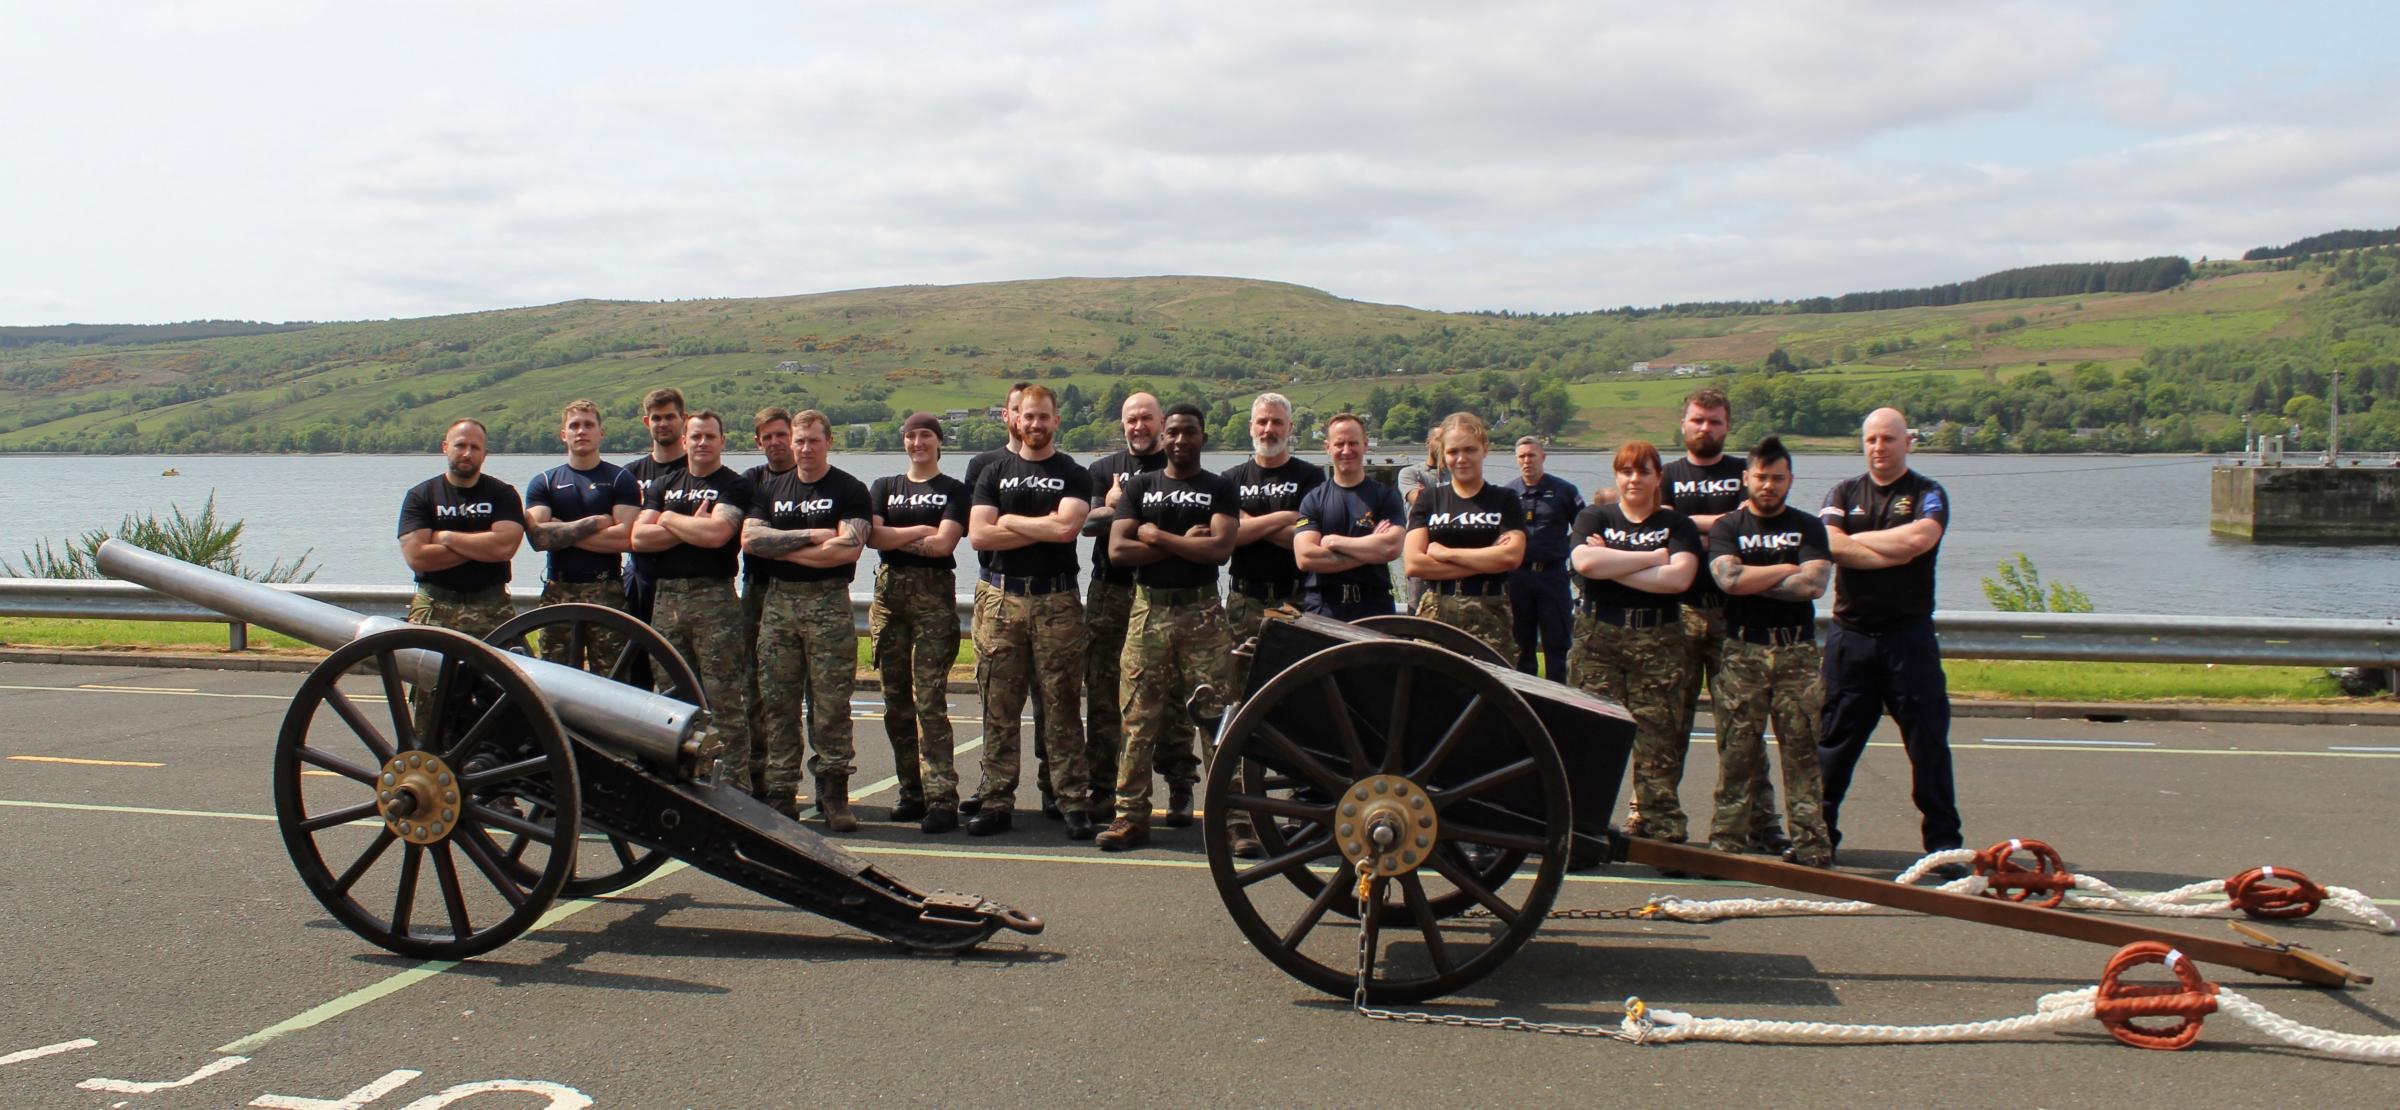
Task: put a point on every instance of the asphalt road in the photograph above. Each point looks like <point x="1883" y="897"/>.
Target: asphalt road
<point x="147" y="905"/>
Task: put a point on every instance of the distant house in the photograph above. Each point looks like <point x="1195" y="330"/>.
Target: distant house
<point x="1688" y="370"/>
<point x="1638" y="368"/>
<point x="996" y="412"/>
<point x="953" y="416"/>
<point x="787" y="367"/>
<point x="795" y="367"/>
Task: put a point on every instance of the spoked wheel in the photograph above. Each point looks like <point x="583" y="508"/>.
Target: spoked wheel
<point x="604" y="861"/>
<point x="440" y="779"/>
<point x="1426" y="630"/>
<point x="1415" y="740"/>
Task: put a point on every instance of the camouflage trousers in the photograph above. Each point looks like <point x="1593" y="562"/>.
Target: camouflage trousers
<point x="1017" y="637"/>
<point x="1175" y="640"/>
<point x="1486" y="618"/>
<point x="1106" y="608"/>
<point x="1244" y="616"/>
<point x="1785" y="683"/>
<point x="1641" y="669"/>
<point x="807" y="656"/>
<point x="475" y="614"/>
<point x="600" y="646"/>
<point x="1704" y="630"/>
<point x="914" y="623"/>
<point x="1044" y="774"/>
<point x="702" y="620"/>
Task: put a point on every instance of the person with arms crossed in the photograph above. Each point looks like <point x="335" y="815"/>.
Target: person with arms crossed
<point x="919" y="518"/>
<point x="1537" y="589"/>
<point x="458" y="532"/>
<point x="1108" y="602"/>
<point x="1028" y="509"/>
<point x="581" y="512"/>
<point x="692" y="521"/>
<point x="1175" y="527"/>
<point x="1634" y="559"/>
<point x="662" y="416"/>
<point x="1464" y="536"/>
<point x="808" y="525"/>
<point x="1705" y="484"/>
<point x="1772" y="563"/>
<point x="771" y="430"/>
<point x="1885" y="530"/>
<point x="1270" y="484"/>
<point x="1044" y="773"/>
<point x="1350" y="529"/>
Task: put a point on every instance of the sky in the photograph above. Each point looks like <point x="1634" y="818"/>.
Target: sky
<point x="294" y="160"/>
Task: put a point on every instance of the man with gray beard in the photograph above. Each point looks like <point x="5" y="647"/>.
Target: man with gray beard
<point x="1263" y="575"/>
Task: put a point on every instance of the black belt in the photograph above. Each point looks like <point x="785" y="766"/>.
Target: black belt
<point x="1467" y="587"/>
<point x="1346" y="593"/>
<point x="1266" y="590"/>
<point x="1649" y="617"/>
<point x="611" y="576"/>
<point x="453" y="594"/>
<point x="1115" y="577"/>
<point x="1774" y="637"/>
<point x="1541" y="566"/>
<point x="1030" y="587"/>
<point x="1176" y="595"/>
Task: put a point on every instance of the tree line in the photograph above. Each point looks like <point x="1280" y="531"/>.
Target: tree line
<point x="2345" y="239"/>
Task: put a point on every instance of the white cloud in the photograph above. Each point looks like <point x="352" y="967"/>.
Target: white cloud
<point x="1528" y="155"/>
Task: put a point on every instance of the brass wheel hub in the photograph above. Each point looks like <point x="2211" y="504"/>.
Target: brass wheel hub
<point x="418" y="797"/>
<point x="1386" y="825"/>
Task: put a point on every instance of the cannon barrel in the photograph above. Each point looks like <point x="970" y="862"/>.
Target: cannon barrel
<point x="664" y="733"/>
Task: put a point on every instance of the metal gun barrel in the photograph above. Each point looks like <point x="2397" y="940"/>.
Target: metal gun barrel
<point x="661" y="731"/>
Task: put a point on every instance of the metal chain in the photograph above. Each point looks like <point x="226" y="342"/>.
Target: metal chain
<point x="1366" y="969"/>
<point x="1643" y="912"/>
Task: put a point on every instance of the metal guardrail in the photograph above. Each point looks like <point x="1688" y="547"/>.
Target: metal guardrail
<point x="2095" y="637"/>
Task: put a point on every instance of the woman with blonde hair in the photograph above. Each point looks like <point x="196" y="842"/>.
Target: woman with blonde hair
<point x="1464" y="536"/>
<point x="1633" y="560"/>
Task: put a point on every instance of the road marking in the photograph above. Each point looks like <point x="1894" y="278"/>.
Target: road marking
<point x="400" y="981"/>
<point x="83" y="762"/>
<point x="145" y="690"/>
<point x="2346" y="748"/>
<point x="934" y="853"/>
<point x="2078" y="743"/>
<point x="48" y="1050"/>
<point x="880" y="785"/>
<point x="139" y="689"/>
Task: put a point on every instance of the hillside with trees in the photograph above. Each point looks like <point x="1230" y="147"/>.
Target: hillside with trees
<point x="2066" y="358"/>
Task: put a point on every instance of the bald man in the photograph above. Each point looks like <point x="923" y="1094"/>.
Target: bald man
<point x="1108" y="606"/>
<point x="1885" y="531"/>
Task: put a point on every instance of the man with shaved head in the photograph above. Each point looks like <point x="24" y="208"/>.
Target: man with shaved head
<point x="1108" y="603"/>
<point x="1885" y="530"/>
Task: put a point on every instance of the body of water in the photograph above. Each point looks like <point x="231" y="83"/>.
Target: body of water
<point x="2130" y="531"/>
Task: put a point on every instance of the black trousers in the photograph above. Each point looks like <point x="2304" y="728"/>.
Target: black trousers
<point x="1545" y="615"/>
<point x="1369" y="605"/>
<point x="1899" y="673"/>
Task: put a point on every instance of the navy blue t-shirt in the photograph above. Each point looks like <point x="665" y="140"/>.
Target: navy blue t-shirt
<point x="1550" y="508"/>
<point x="572" y="495"/>
<point x="1336" y="510"/>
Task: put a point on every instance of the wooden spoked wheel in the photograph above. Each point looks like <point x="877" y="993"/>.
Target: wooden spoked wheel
<point x="1406" y="723"/>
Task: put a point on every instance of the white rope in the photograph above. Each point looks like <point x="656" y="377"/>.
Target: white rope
<point x="2364" y="1047"/>
<point x="1650" y="1025"/>
<point x="2090" y="893"/>
<point x="1645" y="1024"/>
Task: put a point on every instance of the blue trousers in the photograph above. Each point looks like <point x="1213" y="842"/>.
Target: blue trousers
<point x="1867" y="676"/>
<point x="1545" y="616"/>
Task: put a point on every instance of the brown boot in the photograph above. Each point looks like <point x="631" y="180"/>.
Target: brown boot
<point x="1124" y="835"/>
<point x="833" y="800"/>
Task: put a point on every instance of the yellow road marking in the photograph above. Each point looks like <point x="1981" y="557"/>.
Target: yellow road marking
<point x="84" y="762"/>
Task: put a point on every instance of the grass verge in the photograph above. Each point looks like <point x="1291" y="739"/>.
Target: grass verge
<point x="1969" y="678"/>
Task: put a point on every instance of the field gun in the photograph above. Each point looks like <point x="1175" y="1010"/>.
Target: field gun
<point x="517" y="780"/>
<point x="1407" y="750"/>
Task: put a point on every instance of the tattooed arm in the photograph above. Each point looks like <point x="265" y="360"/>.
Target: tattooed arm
<point x="545" y="534"/>
<point x="1805" y="584"/>
<point x="775" y="543"/>
<point x="1742" y="581"/>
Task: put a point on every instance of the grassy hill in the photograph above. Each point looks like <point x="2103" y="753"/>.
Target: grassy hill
<point x="2238" y="337"/>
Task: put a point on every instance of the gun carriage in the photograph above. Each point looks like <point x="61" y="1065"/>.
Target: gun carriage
<point x="515" y="780"/>
<point x="1404" y="751"/>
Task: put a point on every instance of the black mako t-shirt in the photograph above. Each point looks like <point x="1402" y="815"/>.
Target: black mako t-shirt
<point x="1664" y="529"/>
<point x="786" y="502"/>
<point x="1177" y="505"/>
<point x="1788" y="538"/>
<point x="437" y="505"/>
<point x="1712" y="490"/>
<point x="1020" y="488"/>
<point x="1263" y="490"/>
<point x="647" y="472"/>
<point x="692" y="495"/>
<point x="1468" y="522"/>
<point x="903" y="502"/>
<point x="1104" y="474"/>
